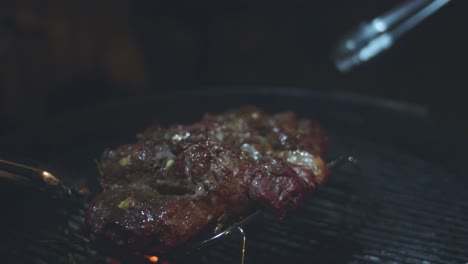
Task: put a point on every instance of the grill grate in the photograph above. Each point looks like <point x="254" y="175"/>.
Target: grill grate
<point x="407" y="204"/>
<point x="386" y="218"/>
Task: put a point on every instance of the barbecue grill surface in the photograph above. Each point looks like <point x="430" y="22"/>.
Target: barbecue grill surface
<point x="406" y="203"/>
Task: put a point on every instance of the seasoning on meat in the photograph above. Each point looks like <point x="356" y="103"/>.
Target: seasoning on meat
<point x="180" y="182"/>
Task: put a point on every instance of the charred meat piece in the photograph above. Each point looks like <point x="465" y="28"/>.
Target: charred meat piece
<point x="180" y="182"/>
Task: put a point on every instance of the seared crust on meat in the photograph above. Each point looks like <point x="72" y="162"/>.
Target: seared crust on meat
<point x="182" y="181"/>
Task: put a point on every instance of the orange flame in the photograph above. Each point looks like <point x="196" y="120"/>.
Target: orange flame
<point x="152" y="259"/>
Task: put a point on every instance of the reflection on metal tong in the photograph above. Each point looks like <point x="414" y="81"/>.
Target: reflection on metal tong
<point x="371" y="38"/>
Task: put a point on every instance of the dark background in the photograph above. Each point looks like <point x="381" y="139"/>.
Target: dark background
<point x="58" y="56"/>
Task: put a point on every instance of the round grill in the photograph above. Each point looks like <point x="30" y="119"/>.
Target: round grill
<point x="406" y="203"/>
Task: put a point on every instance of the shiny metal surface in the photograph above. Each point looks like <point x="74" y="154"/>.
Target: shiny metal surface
<point x="369" y="39"/>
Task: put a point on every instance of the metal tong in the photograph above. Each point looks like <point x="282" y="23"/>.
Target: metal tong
<point x="23" y="174"/>
<point x="369" y="39"/>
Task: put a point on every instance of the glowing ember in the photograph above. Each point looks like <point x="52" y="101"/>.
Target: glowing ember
<point x="152" y="259"/>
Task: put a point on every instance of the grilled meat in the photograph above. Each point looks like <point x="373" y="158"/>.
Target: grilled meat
<point x="177" y="183"/>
